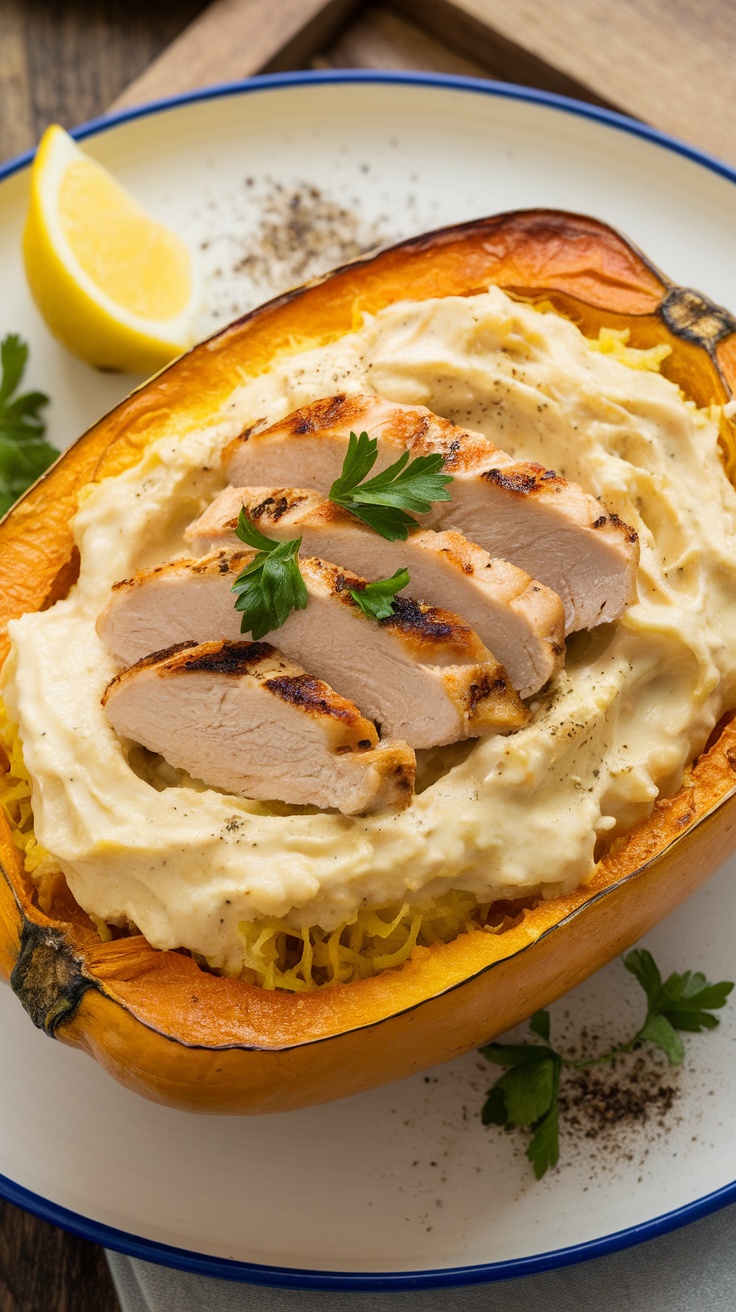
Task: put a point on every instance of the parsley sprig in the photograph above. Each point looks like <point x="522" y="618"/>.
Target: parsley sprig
<point x="527" y="1095"/>
<point x="23" y="453"/>
<point x="271" y="586"/>
<point x="382" y="502"/>
<point x="376" y="600"/>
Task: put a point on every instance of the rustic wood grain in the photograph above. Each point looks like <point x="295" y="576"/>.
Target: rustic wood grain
<point x="43" y="1269"/>
<point x="235" y="38"/>
<point x="16" y="118"/>
<point x="667" y="62"/>
<point x="64" y="62"/>
<point x="380" y="38"/>
<point x="457" y="36"/>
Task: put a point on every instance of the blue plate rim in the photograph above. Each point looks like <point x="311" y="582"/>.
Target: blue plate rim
<point x="150" y="1250"/>
<point x="448" y="81"/>
<point x="185" y="1259"/>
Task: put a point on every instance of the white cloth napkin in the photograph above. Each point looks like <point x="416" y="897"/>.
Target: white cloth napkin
<point x="689" y="1270"/>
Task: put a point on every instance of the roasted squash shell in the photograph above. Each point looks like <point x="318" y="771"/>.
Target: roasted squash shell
<point x="191" y="1039"/>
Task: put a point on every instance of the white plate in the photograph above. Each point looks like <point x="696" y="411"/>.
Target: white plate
<point x="400" y="1187"/>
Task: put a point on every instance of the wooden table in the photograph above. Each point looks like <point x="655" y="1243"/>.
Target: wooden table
<point x="667" y="62"/>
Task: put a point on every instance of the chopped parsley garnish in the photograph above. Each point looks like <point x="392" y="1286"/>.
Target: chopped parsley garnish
<point x="271" y="586"/>
<point x="527" y="1095"/>
<point x="23" y="453"/>
<point x="376" y="599"/>
<point x="382" y="502"/>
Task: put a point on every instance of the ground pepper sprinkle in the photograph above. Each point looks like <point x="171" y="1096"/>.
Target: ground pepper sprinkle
<point x="631" y="1092"/>
<point x="273" y="235"/>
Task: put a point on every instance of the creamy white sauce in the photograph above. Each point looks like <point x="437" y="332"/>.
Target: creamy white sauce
<point x="519" y="815"/>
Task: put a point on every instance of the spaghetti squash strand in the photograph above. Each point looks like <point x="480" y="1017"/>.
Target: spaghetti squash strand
<point x="374" y="939"/>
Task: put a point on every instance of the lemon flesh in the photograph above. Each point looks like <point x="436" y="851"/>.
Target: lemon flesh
<point x="114" y="286"/>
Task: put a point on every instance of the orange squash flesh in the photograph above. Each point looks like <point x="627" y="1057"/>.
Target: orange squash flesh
<point x="194" y="1040"/>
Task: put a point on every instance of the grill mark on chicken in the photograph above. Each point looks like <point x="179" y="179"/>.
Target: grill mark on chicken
<point x="612" y="518"/>
<point x="403" y="778"/>
<point x="431" y="622"/>
<point x="414" y="619"/>
<point x="529" y="478"/>
<point x="243" y="717"/>
<point x="523" y="479"/>
<point x="302" y="690"/>
<point x="478" y="691"/>
<point x="322" y="414"/>
<point x="154" y="657"/>
<point x="232" y="658"/>
<point x="256" y="427"/>
<point x="274" y="508"/>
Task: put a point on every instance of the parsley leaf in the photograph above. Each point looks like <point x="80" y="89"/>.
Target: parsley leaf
<point x="24" y="455"/>
<point x="271" y="586"/>
<point x="527" y="1094"/>
<point x="681" y="1002"/>
<point x="376" y="599"/>
<point x="494" y="1110"/>
<point x="659" y="1031"/>
<point x="248" y="533"/>
<point x="544" y="1146"/>
<point x="360" y="458"/>
<point x="528" y="1091"/>
<point x="515" y="1054"/>
<point x="643" y="966"/>
<point x="383" y="501"/>
<point x="539" y="1024"/>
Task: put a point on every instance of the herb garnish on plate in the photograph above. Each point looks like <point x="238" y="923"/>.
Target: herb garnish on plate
<point x="527" y="1095"/>
<point x="23" y="453"/>
<point x="382" y="502"/>
<point x="271" y="586"/>
<point x="376" y="599"/>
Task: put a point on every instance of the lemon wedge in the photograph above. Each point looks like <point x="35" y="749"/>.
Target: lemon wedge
<point x="114" y="286"/>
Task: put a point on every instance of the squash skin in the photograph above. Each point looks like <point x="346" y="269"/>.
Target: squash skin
<point x="197" y="1041"/>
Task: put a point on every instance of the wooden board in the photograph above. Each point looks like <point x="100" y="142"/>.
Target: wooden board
<point x="233" y="39"/>
<point x="665" y="62"/>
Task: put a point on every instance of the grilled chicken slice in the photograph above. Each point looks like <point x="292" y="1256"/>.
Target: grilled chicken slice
<point x="422" y="673"/>
<point x="240" y="716"/>
<point x="308" y="446"/>
<point x="519" y="510"/>
<point x="522" y="622"/>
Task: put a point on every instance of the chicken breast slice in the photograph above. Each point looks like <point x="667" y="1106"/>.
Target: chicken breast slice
<point x="521" y="621"/>
<point x="423" y="674"/>
<point x="519" y="510"/>
<point x="242" y="717"/>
